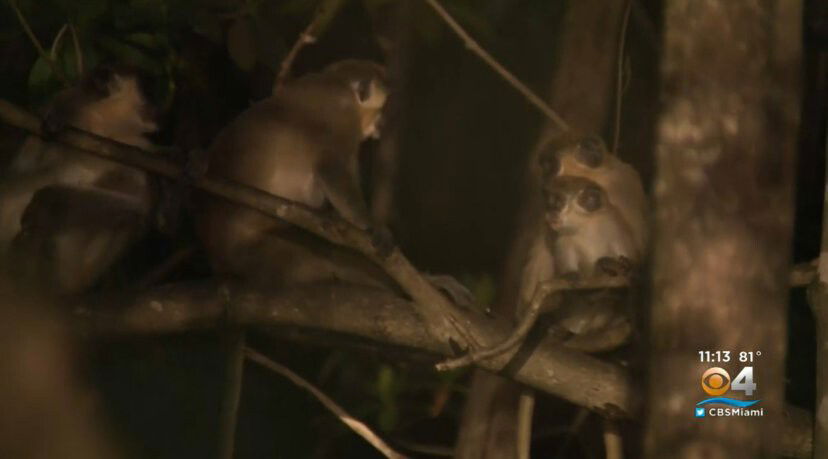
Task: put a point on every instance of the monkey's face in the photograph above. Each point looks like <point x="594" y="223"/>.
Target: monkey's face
<point x="127" y="100"/>
<point x="572" y="202"/>
<point x="367" y="81"/>
<point x="121" y="112"/>
<point x="370" y="96"/>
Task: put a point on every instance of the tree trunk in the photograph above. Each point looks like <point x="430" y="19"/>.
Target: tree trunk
<point x="581" y="93"/>
<point x="724" y="211"/>
<point x="818" y="298"/>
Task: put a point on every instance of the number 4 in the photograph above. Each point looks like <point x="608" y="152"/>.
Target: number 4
<point x="744" y="381"/>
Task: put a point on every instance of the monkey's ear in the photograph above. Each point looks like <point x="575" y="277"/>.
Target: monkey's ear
<point x="549" y="162"/>
<point x="591" y="151"/>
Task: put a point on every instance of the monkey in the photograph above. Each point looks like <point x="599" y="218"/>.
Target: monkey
<point x="588" y="228"/>
<point x="65" y="217"/>
<point x="594" y="222"/>
<point x="302" y="144"/>
<point x="587" y="156"/>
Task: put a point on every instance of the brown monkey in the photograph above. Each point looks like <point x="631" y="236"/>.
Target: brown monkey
<point x="587" y="157"/>
<point x="66" y="217"/>
<point x="588" y="228"/>
<point x="301" y="144"/>
<point x="594" y="222"/>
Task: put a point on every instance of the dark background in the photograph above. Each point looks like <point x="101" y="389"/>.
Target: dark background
<point x="464" y="135"/>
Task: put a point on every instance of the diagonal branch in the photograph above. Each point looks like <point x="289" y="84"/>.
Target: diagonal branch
<point x="475" y="48"/>
<point x="359" y="427"/>
<point x="544" y="300"/>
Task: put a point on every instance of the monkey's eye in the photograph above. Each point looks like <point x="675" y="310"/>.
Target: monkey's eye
<point x="591" y="199"/>
<point x="362" y="88"/>
<point x="591" y="151"/>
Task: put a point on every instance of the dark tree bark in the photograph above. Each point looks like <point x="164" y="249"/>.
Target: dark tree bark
<point x="723" y="193"/>
<point x="581" y="93"/>
<point x="818" y="298"/>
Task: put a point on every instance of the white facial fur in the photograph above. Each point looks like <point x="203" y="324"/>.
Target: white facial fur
<point x="371" y="110"/>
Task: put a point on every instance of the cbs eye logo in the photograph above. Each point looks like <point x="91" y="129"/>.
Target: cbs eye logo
<point x="715" y="381"/>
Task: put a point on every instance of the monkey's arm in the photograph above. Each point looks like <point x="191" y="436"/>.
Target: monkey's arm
<point x="341" y="186"/>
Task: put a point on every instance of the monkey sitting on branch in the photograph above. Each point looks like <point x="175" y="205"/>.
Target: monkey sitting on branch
<point x="301" y="144"/>
<point x="594" y="226"/>
<point x="65" y="217"/>
<point x="592" y="236"/>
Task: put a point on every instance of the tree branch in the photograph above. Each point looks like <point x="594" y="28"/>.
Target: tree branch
<point x="321" y="17"/>
<point x="359" y="427"/>
<point x="357" y="312"/>
<point x="475" y="48"/>
<point x="365" y="313"/>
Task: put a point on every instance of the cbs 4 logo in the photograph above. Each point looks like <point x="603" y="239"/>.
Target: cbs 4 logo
<point x="716" y="381"/>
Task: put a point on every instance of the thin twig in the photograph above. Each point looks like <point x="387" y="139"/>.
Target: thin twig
<point x="526" y="410"/>
<point x="613" y="443"/>
<point x="39" y="47"/>
<point x="57" y="40"/>
<point x="78" y="50"/>
<point x="167" y="266"/>
<point x="359" y="427"/>
<point x="537" y="305"/>
<point x="474" y="47"/>
<point x="326" y="11"/>
<point x="619" y="82"/>
<point x="232" y="391"/>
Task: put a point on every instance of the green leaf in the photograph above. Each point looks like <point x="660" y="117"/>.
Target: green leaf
<point x="388" y="389"/>
<point x="42" y="83"/>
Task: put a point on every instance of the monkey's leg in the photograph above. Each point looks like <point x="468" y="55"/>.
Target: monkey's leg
<point x="71" y="236"/>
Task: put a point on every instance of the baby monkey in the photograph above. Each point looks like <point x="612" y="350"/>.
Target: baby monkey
<point x="589" y="232"/>
<point x="593" y="223"/>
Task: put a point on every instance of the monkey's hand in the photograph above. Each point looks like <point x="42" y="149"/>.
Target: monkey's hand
<point x="615" y="266"/>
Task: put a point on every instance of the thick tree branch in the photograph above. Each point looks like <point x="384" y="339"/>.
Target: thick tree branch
<point x="441" y="317"/>
<point x="388" y="320"/>
<point x="360" y="312"/>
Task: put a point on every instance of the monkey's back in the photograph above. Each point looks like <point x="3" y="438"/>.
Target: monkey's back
<point x="275" y="146"/>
